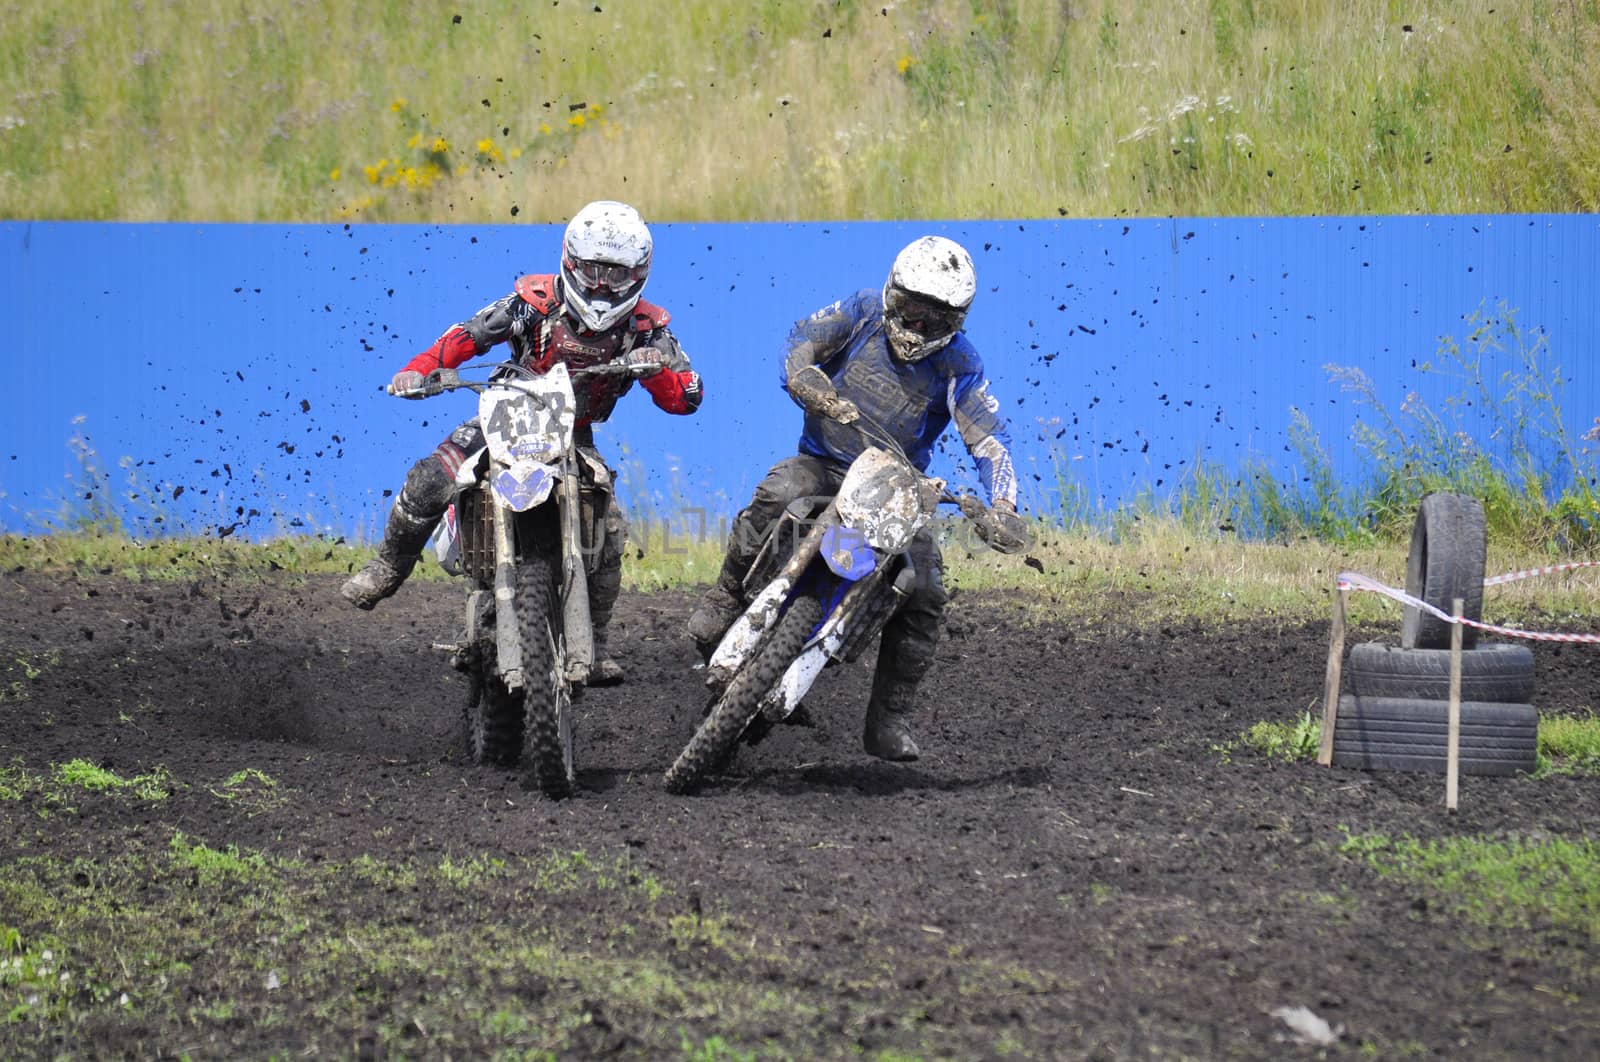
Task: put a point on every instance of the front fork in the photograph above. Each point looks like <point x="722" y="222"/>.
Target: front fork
<point x="579" y="655"/>
<point x="576" y="650"/>
<point x="507" y="634"/>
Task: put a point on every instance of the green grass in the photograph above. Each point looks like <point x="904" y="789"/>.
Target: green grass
<point x="813" y="109"/>
<point x="584" y="936"/>
<point x="1290" y="742"/>
<point x="1569" y="744"/>
<point x="1516" y="883"/>
<point x="60" y="786"/>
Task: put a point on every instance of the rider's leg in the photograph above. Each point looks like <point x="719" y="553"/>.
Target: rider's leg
<point x="793" y="477"/>
<point x="905" y="654"/>
<point x="605" y="585"/>
<point x="412" y="518"/>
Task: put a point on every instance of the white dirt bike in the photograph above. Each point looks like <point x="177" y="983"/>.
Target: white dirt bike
<point x="525" y="528"/>
<point x="830" y="573"/>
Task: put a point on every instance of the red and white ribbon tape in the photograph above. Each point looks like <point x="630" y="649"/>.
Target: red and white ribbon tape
<point x="1357" y="581"/>
<point x="1511" y="577"/>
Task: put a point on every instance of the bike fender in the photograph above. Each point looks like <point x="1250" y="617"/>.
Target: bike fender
<point x="740" y="641"/>
<point x="522" y="486"/>
<point x="847" y="553"/>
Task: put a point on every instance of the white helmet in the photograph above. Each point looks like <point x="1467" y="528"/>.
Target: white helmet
<point x="605" y="260"/>
<point x="926" y="297"/>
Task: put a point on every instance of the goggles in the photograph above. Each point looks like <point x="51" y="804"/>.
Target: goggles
<point x="928" y="319"/>
<point x="607" y="276"/>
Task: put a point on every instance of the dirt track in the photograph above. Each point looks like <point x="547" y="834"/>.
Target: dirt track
<point x="1072" y="871"/>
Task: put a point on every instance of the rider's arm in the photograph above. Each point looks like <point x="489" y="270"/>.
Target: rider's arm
<point x="817" y="339"/>
<point x="676" y="388"/>
<point x="977" y="416"/>
<point x="465" y="341"/>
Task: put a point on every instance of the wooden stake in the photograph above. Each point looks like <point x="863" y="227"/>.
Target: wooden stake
<point x="1330" y="688"/>
<point x="1452" y="747"/>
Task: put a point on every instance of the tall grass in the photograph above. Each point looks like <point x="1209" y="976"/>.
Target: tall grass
<point x="1498" y="432"/>
<point x="296" y="110"/>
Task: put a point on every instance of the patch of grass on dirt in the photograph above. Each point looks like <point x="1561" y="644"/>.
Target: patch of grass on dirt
<point x="22" y="671"/>
<point x="1569" y="745"/>
<point x="1289" y="742"/>
<point x="57" y="788"/>
<point x="595" y="956"/>
<point x="154" y="786"/>
<point x="250" y="789"/>
<point x="1520" y="883"/>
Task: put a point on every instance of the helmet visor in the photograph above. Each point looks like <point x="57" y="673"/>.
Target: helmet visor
<point x="927" y="319"/>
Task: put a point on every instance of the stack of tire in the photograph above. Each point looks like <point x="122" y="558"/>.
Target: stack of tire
<point x="1396" y="715"/>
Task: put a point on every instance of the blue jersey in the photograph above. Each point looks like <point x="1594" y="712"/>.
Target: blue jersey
<point x="914" y="401"/>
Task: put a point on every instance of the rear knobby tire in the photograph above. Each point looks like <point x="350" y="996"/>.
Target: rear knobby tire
<point x="714" y="743"/>
<point x="546" y="697"/>
<point x="1448" y="552"/>
<point x="1495" y="672"/>
<point x="1403" y="734"/>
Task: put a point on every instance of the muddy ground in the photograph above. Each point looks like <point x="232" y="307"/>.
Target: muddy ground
<point x="1073" y="870"/>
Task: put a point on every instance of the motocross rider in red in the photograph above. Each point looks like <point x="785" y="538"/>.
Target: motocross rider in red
<point x="587" y="314"/>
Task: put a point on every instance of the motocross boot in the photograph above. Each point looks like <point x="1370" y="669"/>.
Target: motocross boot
<point x="605" y="586"/>
<point x="886" y="735"/>
<point x="404" y="537"/>
<point x="720" y="606"/>
<point x="605" y="671"/>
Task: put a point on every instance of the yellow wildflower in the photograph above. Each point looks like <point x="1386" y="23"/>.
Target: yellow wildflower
<point x="577" y="121"/>
<point x="440" y="145"/>
<point x="516" y="153"/>
<point x="902" y="64"/>
<point x="544" y="127"/>
<point x="416" y="138"/>
<point x="398" y="105"/>
<point x="334" y="176"/>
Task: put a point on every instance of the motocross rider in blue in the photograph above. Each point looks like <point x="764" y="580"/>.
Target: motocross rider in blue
<point x="898" y="357"/>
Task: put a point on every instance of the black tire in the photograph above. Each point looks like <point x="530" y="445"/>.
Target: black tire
<point x="1497" y="672"/>
<point x="713" y="744"/>
<point x="1405" y="734"/>
<point x="546" y="697"/>
<point x="1448" y="553"/>
<point x="493" y="717"/>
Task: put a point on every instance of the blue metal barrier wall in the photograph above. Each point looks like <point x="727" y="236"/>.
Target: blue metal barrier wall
<point x="230" y="376"/>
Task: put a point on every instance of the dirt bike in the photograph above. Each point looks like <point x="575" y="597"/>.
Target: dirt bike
<point x="523" y="528"/>
<point x="829" y="575"/>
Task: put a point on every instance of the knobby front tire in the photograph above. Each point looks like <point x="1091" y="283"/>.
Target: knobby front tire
<point x="713" y="744"/>
<point x="546" y="697"/>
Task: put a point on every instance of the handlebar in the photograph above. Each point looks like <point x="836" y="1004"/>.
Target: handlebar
<point x="441" y="380"/>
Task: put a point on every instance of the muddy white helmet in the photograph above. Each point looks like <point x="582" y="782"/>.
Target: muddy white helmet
<point x="605" y="260"/>
<point x="926" y="297"/>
